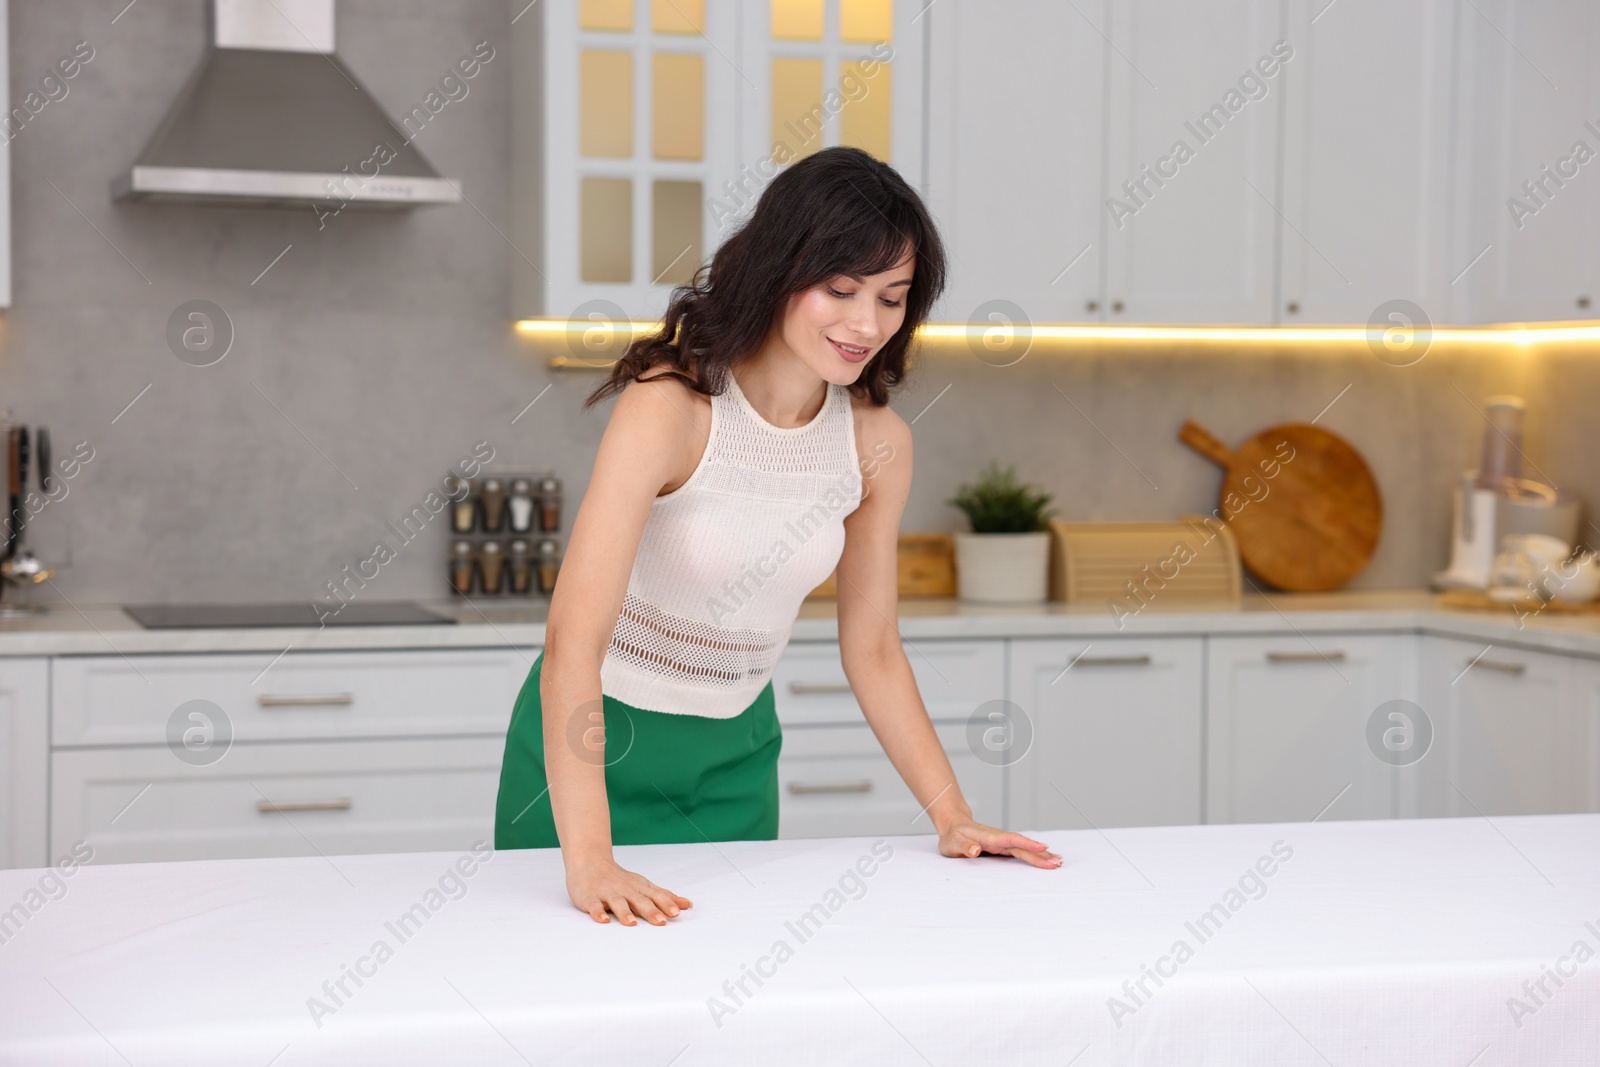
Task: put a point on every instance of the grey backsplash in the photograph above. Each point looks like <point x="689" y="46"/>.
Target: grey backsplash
<point x="379" y="350"/>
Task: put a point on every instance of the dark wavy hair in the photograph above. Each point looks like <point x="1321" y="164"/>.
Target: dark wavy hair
<point x="836" y="212"/>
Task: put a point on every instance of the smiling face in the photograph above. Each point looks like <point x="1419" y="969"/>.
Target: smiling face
<point x="837" y="326"/>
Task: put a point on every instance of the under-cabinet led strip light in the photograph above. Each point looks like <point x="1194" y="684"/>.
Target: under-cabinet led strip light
<point x="1518" y="334"/>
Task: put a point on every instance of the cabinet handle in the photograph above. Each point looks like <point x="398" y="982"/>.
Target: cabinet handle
<point x="1583" y="302"/>
<point x="801" y="789"/>
<point x="1305" y="657"/>
<point x="1292" y="308"/>
<point x="1507" y="668"/>
<point x="267" y="807"/>
<point x="1091" y="305"/>
<point x="813" y="688"/>
<point x="306" y="700"/>
<point x="1116" y="306"/>
<point x="1112" y="661"/>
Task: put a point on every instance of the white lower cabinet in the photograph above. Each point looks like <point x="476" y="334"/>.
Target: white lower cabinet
<point x="399" y="750"/>
<point x="1517" y="732"/>
<point x="1287" y="725"/>
<point x="114" y="700"/>
<point x="207" y="756"/>
<point x="1116" y="727"/>
<point x="834" y="778"/>
<point x="24" y="762"/>
<point x="835" y="781"/>
<point x="325" y="797"/>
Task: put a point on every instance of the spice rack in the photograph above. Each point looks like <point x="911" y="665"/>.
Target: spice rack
<point x="504" y="533"/>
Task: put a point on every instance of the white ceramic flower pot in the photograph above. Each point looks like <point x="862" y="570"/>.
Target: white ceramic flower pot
<point x="1003" y="568"/>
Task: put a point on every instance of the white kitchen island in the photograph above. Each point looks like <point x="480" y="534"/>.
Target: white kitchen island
<point x="1403" y="942"/>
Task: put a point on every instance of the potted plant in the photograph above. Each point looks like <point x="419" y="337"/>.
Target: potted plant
<point x="1006" y="557"/>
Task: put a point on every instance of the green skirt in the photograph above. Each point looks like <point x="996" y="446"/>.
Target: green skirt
<point x="669" y="778"/>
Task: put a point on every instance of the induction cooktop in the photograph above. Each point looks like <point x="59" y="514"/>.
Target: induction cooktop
<point x="226" y="616"/>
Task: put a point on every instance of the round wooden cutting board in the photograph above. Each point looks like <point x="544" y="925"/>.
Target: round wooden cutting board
<point x="1301" y="501"/>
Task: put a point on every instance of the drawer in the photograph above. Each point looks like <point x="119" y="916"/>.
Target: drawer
<point x="954" y="678"/>
<point x="140" y="804"/>
<point x="836" y="781"/>
<point x="111" y="700"/>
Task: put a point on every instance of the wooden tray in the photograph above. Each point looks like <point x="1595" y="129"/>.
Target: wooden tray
<point x="926" y="564"/>
<point x="1472" y="600"/>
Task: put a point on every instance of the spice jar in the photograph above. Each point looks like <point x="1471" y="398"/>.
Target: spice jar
<point x="520" y="504"/>
<point x="463" y="508"/>
<point x="461" y="567"/>
<point x="519" y="562"/>
<point x="549" y="551"/>
<point x="493" y="498"/>
<point x="549" y="503"/>
<point x="489" y="565"/>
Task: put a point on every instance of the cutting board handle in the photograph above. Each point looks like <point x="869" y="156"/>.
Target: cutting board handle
<point x="1202" y="442"/>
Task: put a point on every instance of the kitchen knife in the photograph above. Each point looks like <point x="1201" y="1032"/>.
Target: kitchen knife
<point x="41" y="444"/>
<point x="13" y="486"/>
<point x="24" y="448"/>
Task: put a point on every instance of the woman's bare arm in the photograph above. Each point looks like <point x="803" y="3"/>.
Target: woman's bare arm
<point x="876" y="664"/>
<point x="654" y="430"/>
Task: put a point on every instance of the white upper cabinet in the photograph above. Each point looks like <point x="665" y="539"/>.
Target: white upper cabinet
<point x="1529" y="107"/>
<point x="1190" y="216"/>
<point x="639" y="113"/>
<point x="1255" y="162"/>
<point x="1015" y="122"/>
<point x="1366" y="160"/>
<point x="654" y="125"/>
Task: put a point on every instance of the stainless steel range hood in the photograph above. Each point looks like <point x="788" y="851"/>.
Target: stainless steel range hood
<point x="272" y="118"/>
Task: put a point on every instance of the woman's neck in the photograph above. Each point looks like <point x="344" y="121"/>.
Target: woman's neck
<point x="783" y="390"/>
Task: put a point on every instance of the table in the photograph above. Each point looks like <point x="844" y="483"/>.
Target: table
<point x="1406" y="942"/>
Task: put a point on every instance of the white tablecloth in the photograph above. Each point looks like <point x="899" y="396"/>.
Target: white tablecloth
<point x="1408" y="942"/>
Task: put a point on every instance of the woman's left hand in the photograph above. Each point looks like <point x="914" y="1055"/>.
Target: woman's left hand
<point x="968" y="839"/>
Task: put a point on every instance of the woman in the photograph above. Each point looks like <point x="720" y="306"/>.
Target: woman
<point x="727" y="486"/>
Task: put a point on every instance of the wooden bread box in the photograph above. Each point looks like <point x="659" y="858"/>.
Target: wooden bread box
<point x="1196" y="560"/>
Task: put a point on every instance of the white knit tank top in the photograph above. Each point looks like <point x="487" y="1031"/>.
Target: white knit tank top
<point x="726" y="558"/>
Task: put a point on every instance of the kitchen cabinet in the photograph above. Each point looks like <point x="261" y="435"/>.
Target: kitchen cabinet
<point x="396" y="750"/>
<point x="1116" y="732"/>
<point x="5" y="157"/>
<point x="835" y="781"/>
<point x="1517" y="732"/>
<point x="1190" y="232"/>
<point x="117" y="700"/>
<point x="165" y="757"/>
<point x="1378" y="162"/>
<point x="1053" y="125"/>
<point x="24" y="758"/>
<point x="139" y="804"/>
<point x="1016" y="119"/>
<point x="1528" y="95"/>
<point x="1366" y="156"/>
<point x="1287" y="721"/>
<point x="644" y="133"/>
<point x="834" y="778"/>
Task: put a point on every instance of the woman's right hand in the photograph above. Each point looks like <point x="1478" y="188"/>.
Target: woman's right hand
<point x="601" y="885"/>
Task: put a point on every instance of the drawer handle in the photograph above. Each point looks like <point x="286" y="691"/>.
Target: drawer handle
<point x="800" y="789"/>
<point x="1508" y="668"/>
<point x="268" y="807"/>
<point x="1305" y="657"/>
<point x="307" y="700"/>
<point x="813" y="688"/>
<point x="1112" y="661"/>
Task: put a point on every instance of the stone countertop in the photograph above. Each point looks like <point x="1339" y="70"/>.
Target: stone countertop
<point x="107" y="630"/>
